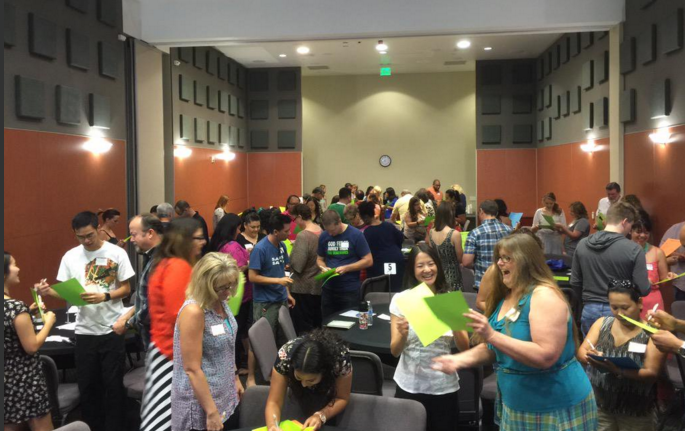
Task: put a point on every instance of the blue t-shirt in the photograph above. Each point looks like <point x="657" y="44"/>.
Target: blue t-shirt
<point x="270" y="262"/>
<point x="347" y="248"/>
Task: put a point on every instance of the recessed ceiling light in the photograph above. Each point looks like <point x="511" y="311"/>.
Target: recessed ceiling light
<point x="381" y="46"/>
<point x="303" y="50"/>
<point x="283" y="56"/>
<point x="463" y="44"/>
<point x="382" y="52"/>
<point x="488" y="48"/>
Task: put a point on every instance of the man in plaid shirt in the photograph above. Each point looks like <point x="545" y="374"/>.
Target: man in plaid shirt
<point x="481" y="241"/>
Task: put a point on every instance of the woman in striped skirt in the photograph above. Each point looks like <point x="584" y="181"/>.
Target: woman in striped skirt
<point x="174" y="261"/>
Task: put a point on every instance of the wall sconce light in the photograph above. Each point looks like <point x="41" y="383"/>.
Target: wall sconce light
<point x="182" y="152"/>
<point x="226" y="155"/>
<point x="660" y="136"/>
<point x="590" y="146"/>
<point x="97" y="145"/>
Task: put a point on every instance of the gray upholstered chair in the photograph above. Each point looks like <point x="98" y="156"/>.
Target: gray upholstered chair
<point x="74" y="426"/>
<point x="286" y="323"/>
<point x="134" y="382"/>
<point x="468" y="279"/>
<point x="264" y="347"/>
<point x="64" y="397"/>
<point x="367" y="375"/>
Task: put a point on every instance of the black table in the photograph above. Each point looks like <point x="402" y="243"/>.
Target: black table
<point x="376" y="339"/>
<point x="564" y="273"/>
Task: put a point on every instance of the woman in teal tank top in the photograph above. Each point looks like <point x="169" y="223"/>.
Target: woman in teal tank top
<point x="528" y="331"/>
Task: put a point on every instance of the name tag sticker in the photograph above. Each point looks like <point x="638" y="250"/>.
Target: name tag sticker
<point x="101" y="261"/>
<point x="650" y="267"/>
<point x="390" y="268"/>
<point x="512" y="315"/>
<point x="637" y="347"/>
<point x="218" y="330"/>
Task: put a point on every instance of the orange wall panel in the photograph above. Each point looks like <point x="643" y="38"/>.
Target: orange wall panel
<point x="509" y="175"/>
<point x="273" y="177"/>
<point x="655" y="174"/>
<point x="201" y="182"/>
<point x="49" y="178"/>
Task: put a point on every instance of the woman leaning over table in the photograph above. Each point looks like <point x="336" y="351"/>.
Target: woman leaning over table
<point x="415" y="378"/>
<point x="625" y="398"/>
<point x="206" y="389"/>
<point x="529" y="333"/>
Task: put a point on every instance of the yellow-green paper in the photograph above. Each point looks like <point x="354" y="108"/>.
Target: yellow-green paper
<point x="38" y="303"/>
<point x="464" y="236"/>
<point x="640" y="324"/>
<point x="288" y="246"/>
<point x="235" y="302"/>
<point x="287" y="426"/>
<point x="550" y="221"/>
<point x="600" y="221"/>
<point x="71" y="291"/>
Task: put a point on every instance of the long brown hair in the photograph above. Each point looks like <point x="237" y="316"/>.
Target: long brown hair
<point x="412" y="212"/>
<point x="178" y="241"/>
<point x="221" y="203"/>
<point x="553" y="197"/>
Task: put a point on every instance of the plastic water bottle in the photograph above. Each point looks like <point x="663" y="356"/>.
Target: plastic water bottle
<point x="363" y="316"/>
<point x="370" y="307"/>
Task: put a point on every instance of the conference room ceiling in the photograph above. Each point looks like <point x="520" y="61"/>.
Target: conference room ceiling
<point x="428" y="54"/>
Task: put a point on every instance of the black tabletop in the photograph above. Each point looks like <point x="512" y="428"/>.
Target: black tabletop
<point x="566" y="273"/>
<point x="375" y="339"/>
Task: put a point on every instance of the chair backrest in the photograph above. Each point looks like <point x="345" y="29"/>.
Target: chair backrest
<point x="370" y="412"/>
<point x="375" y="284"/>
<point x="367" y="375"/>
<point x="286" y="323"/>
<point x="253" y="404"/>
<point x="264" y="347"/>
<point x="468" y="279"/>
<point x="470" y="298"/>
<point x="470" y="387"/>
<point x="74" y="426"/>
<point x="568" y="260"/>
<point x="52" y="380"/>
<point x="379" y="298"/>
<point x="678" y="310"/>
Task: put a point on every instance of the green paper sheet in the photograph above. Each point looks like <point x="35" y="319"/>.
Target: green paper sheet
<point x="71" y="291"/>
<point x="449" y="309"/>
<point x="38" y="303"/>
<point x="297" y="230"/>
<point x="428" y="220"/>
<point x="288" y="246"/>
<point x="464" y="236"/>
<point x="328" y="278"/>
<point x="601" y="218"/>
<point x="562" y="278"/>
<point x="325" y="275"/>
<point x="422" y="320"/>
<point x="671" y="279"/>
<point x="640" y="324"/>
<point x="235" y="302"/>
<point x="550" y="221"/>
<point x="287" y="426"/>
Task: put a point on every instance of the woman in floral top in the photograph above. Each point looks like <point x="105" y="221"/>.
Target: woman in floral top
<point x="318" y="370"/>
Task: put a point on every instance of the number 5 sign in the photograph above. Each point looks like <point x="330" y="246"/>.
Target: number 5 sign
<point x="390" y="268"/>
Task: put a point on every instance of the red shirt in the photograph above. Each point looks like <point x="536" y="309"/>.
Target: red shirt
<point x="166" y="294"/>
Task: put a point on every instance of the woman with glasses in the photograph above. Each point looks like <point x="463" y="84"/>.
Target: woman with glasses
<point x="170" y="274"/>
<point x="206" y="389"/>
<point x="528" y="331"/>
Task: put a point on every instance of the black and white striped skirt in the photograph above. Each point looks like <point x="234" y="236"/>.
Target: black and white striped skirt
<point x="156" y="408"/>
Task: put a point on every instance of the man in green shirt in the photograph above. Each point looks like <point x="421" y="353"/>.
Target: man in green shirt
<point x="345" y="198"/>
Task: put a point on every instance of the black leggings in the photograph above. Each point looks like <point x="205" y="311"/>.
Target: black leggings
<point x="442" y="411"/>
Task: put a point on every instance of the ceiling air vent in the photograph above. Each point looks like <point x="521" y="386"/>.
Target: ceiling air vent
<point x="455" y="63"/>
<point x="318" y="67"/>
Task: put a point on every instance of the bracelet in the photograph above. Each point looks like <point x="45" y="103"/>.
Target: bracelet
<point x="322" y="417"/>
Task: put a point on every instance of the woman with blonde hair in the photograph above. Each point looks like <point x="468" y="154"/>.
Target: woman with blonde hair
<point x="528" y="330"/>
<point x="220" y="210"/>
<point x="205" y="387"/>
<point x="462" y="194"/>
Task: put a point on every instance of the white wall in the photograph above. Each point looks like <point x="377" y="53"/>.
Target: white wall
<point x="425" y="122"/>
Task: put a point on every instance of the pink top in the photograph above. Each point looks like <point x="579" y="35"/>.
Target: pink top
<point x="242" y="257"/>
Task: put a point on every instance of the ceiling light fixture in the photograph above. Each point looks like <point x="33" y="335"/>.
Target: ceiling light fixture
<point x="487" y="48"/>
<point x="381" y="47"/>
<point x="383" y="52"/>
<point x="463" y="44"/>
<point x="283" y="56"/>
<point x="303" y="50"/>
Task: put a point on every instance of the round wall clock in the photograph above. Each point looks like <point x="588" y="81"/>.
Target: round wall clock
<point x="385" y="161"/>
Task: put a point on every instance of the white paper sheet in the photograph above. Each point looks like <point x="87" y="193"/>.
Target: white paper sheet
<point x="68" y="327"/>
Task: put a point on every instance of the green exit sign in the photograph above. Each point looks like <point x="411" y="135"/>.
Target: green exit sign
<point x="386" y="71"/>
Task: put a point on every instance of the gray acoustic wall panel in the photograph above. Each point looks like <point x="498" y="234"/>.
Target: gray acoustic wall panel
<point x="79" y="5"/>
<point x="233" y="73"/>
<point x="222" y="68"/>
<point x="588" y="75"/>
<point x="548" y="96"/>
<point x="212" y="98"/>
<point x="42" y="37"/>
<point x="233" y="107"/>
<point x="539" y="69"/>
<point x="288" y="80"/>
<point x="588" y="117"/>
<point x="565" y="49"/>
<point x="259" y="81"/>
<point x="522" y="134"/>
<point x="541" y="99"/>
<point x="185" y="88"/>
<point x="603" y="68"/>
<point x="576" y="100"/>
<point x="212" y="133"/>
<point x="548" y="128"/>
<point x="200" y="130"/>
<point x="241" y="136"/>
<point x="9" y="25"/>
<point x="108" y="59"/>
<point x="107" y="12"/>
<point x="541" y="130"/>
<point x="212" y="59"/>
<point x="646" y="45"/>
<point x="224" y="101"/>
<point x="548" y="63"/>
<point x="522" y="104"/>
<point x="259" y="139"/>
<point x="287" y="139"/>
<point x="200" y="93"/>
<point x="224" y="134"/>
<point x="241" y="108"/>
<point x="587" y="39"/>
<point x="78" y="50"/>
<point x="644" y="4"/>
<point x="671" y="32"/>
<point x="99" y="111"/>
<point x="199" y="58"/>
<point x="627" y="61"/>
<point x="575" y="44"/>
<point x="30" y="98"/>
<point x="68" y="105"/>
<point x="566" y="103"/>
<point x="185" y="54"/>
<point x="491" y="75"/>
<point x="287" y="109"/>
<point x="259" y="110"/>
<point x="491" y="104"/>
<point x="557" y="107"/>
<point x="235" y="139"/>
<point x="556" y="56"/>
<point x="242" y="77"/>
<point x="627" y="111"/>
<point x="661" y="99"/>
<point x="601" y="112"/>
<point x="491" y="134"/>
<point x="186" y="127"/>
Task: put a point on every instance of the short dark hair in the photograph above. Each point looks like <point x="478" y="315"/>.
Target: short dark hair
<point x="150" y="222"/>
<point x="153" y="209"/>
<point x="335" y="199"/>
<point x="344" y="193"/>
<point x="626" y="287"/>
<point x="84" y="219"/>
<point x="303" y="211"/>
<point x="250" y="215"/>
<point x="502" y="210"/>
<point x="360" y="195"/>
<point x="613" y="186"/>
<point x="109" y="214"/>
<point x="620" y="211"/>
<point x="330" y="217"/>
<point x="317" y="190"/>
<point x="644" y="223"/>
<point x="287" y="202"/>
<point x="367" y="211"/>
<point x="8" y="260"/>
<point x="278" y="222"/>
<point x="182" y="205"/>
<point x="489" y="207"/>
<point x="348" y="185"/>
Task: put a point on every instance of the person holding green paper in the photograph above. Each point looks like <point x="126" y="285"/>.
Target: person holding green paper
<point x="625" y="397"/>
<point x="415" y="377"/>
<point x="577" y="230"/>
<point x="545" y="221"/>
<point x="104" y="271"/>
<point x="613" y="191"/>
<point x="25" y="389"/>
<point x="528" y="330"/>
<point x="414" y="227"/>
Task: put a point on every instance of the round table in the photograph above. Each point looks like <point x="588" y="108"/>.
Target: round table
<point x="376" y="339"/>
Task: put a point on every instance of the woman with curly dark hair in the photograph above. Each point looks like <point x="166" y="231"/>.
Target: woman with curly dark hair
<point x="318" y="370"/>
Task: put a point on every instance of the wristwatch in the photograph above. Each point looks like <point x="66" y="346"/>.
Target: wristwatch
<point x="322" y="417"/>
<point x="108" y="297"/>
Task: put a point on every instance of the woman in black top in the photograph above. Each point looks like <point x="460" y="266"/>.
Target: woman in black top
<point x="110" y="219"/>
<point x="385" y="242"/>
<point x="251" y="230"/>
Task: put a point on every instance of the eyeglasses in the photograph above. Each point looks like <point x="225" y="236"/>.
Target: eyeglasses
<point x="223" y="288"/>
<point x="505" y="259"/>
<point x="199" y="238"/>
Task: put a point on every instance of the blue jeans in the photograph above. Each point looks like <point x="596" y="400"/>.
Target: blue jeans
<point x="334" y="301"/>
<point x="591" y="312"/>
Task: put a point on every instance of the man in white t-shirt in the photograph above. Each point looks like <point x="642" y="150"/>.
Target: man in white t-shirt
<point x="103" y="270"/>
<point x="613" y="195"/>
